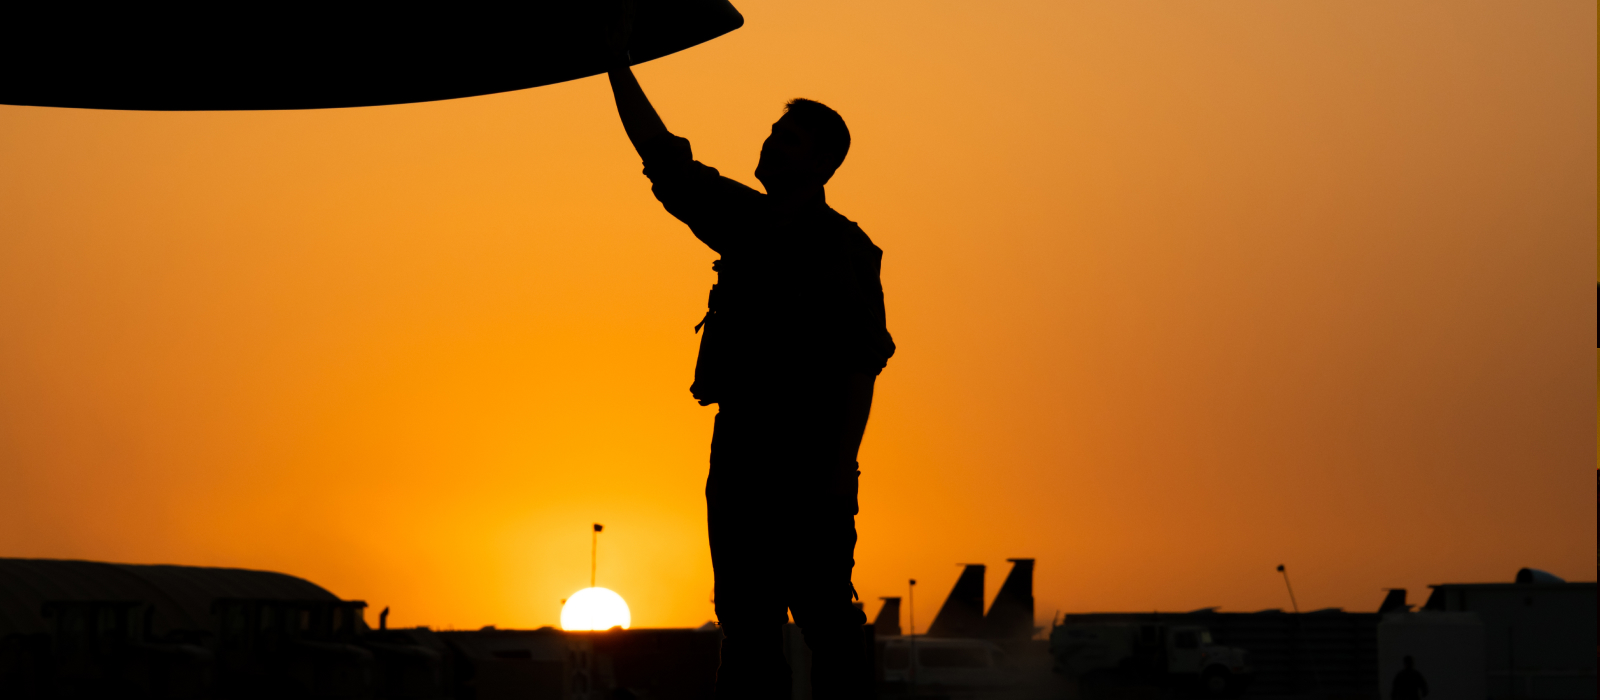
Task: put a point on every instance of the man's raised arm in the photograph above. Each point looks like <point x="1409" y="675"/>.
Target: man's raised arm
<point x="639" y="119"/>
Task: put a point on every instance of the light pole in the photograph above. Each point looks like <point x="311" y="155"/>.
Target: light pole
<point x="911" y="656"/>
<point x="594" y="552"/>
<point x="1285" y="573"/>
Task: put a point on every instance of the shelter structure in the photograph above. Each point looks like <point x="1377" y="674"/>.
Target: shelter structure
<point x="173" y="598"/>
<point x="1539" y="637"/>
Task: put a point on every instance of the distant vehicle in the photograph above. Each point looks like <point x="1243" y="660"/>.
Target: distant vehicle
<point x="945" y="663"/>
<point x="1182" y="657"/>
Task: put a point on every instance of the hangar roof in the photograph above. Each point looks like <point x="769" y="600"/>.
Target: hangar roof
<point x="181" y="595"/>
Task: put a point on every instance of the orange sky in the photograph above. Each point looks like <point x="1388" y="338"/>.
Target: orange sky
<point x="1182" y="292"/>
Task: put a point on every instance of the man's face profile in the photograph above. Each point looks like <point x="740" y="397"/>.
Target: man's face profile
<point x="788" y="157"/>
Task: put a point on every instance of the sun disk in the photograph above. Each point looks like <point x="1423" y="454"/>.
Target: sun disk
<point x="595" y="609"/>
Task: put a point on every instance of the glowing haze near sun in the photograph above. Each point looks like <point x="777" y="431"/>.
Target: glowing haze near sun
<point x="595" y="609"/>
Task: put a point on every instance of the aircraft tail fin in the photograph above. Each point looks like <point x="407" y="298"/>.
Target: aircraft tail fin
<point x="962" y="613"/>
<point x="1011" y="615"/>
<point x="1395" y="601"/>
<point x="887" y="624"/>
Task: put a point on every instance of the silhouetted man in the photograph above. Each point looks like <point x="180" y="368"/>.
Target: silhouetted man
<point x="791" y="345"/>
<point x="1408" y="684"/>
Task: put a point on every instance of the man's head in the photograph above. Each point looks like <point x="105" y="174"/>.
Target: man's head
<point x="807" y="144"/>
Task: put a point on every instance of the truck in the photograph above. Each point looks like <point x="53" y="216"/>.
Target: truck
<point x="1183" y="658"/>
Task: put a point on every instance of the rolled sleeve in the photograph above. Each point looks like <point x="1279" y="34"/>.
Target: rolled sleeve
<point x="664" y="155"/>
<point x="695" y="193"/>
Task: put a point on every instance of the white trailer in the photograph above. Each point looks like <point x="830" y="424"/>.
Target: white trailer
<point x="1178" y="656"/>
<point x="945" y="663"/>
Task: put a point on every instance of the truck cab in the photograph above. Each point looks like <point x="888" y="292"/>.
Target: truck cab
<point x="1192" y="652"/>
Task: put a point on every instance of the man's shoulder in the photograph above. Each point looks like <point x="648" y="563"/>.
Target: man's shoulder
<point x="852" y="232"/>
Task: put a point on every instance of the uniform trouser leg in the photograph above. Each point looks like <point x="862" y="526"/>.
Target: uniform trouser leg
<point x="781" y="520"/>
<point x="821" y="595"/>
<point x="745" y="557"/>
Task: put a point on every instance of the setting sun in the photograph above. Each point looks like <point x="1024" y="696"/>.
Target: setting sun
<point x="595" y="609"/>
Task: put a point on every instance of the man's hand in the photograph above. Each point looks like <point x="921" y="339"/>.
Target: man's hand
<point x="619" y="16"/>
<point x="858" y="407"/>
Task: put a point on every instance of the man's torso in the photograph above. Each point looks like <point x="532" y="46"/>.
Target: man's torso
<point x="798" y="296"/>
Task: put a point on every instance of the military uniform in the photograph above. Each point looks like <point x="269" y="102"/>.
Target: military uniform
<point x="796" y="311"/>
